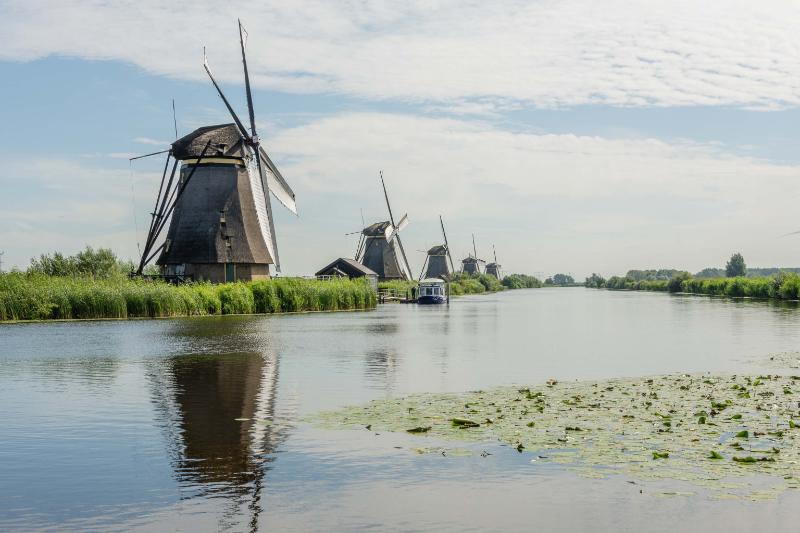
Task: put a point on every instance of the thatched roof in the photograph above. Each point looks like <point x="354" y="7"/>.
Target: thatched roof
<point x="226" y="141"/>
<point x="376" y="230"/>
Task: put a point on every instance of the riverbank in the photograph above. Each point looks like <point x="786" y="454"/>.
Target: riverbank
<point x="462" y="284"/>
<point x="784" y="286"/>
<point x="40" y="297"/>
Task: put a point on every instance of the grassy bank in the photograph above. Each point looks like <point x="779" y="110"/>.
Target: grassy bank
<point x="783" y="286"/>
<point x="30" y="296"/>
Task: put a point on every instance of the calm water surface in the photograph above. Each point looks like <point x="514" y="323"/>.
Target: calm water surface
<point x="133" y="425"/>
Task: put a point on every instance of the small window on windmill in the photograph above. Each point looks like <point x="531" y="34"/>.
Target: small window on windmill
<point x="166" y="245"/>
<point x="222" y="217"/>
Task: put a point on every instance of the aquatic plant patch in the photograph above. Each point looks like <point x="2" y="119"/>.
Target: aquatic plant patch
<point x="725" y="433"/>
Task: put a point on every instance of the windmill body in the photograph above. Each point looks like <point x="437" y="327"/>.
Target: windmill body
<point x="472" y="265"/>
<point x="436" y="265"/>
<point x="219" y="230"/>
<point x="380" y="248"/>
<point x="493" y="269"/>
<point x="380" y="254"/>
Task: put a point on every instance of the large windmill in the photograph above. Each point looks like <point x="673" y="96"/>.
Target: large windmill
<point x="219" y="211"/>
<point x="438" y="262"/>
<point x="471" y="264"/>
<point x="379" y="244"/>
<point x="493" y="269"/>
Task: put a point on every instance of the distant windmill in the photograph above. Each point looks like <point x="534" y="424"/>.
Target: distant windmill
<point x="471" y="264"/>
<point x="493" y="269"/>
<point x="379" y="245"/>
<point x="220" y="216"/>
<point x="436" y="262"/>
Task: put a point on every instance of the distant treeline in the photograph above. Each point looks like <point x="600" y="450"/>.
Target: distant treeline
<point x="461" y="284"/>
<point x="784" y="285"/>
<point x="34" y="296"/>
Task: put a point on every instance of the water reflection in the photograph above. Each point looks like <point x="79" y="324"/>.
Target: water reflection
<point x="218" y="413"/>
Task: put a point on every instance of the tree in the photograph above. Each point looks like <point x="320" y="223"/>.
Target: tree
<point x="99" y="263"/>
<point x="595" y="281"/>
<point x="563" y="279"/>
<point x="736" y="267"/>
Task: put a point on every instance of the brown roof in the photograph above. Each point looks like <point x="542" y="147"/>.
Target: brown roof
<point x="226" y="141"/>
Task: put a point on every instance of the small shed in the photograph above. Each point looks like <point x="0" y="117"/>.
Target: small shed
<point x="349" y="268"/>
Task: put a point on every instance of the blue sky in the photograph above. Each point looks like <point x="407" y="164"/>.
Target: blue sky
<point x="571" y="138"/>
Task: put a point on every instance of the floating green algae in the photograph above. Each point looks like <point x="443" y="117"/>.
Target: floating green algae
<point x="700" y="429"/>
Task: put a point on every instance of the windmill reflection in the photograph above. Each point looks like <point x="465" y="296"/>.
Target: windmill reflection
<point x="218" y="411"/>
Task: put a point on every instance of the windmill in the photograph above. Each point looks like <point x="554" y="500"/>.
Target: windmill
<point x="379" y="244"/>
<point x="493" y="269"/>
<point x="471" y="264"/>
<point x="436" y="262"/>
<point x="219" y="211"/>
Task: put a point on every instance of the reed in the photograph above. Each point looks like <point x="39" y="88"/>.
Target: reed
<point x="35" y="296"/>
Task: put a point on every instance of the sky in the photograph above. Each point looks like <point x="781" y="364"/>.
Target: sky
<point x="574" y="136"/>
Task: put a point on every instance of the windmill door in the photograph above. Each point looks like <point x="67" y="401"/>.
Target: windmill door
<point x="230" y="272"/>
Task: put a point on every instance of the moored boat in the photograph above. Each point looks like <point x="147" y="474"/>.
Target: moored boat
<point x="432" y="291"/>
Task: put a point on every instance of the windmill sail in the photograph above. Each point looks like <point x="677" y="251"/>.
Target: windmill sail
<point x="277" y="185"/>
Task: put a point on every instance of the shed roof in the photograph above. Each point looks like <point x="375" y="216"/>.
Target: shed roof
<point x="349" y="266"/>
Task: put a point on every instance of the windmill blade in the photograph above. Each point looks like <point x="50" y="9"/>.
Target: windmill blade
<point x="405" y="259"/>
<point x="425" y="264"/>
<point x="239" y="124"/>
<point x="790" y="234"/>
<point x="148" y="155"/>
<point x="242" y="41"/>
<point x="277" y="185"/>
<point x="273" y="244"/>
<point x="389" y="233"/>
<point x="403" y="223"/>
<point x="447" y="246"/>
<point x="386" y="195"/>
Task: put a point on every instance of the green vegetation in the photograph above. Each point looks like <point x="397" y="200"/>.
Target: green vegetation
<point x="398" y="286"/>
<point x="736" y="267"/>
<point x="36" y="296"/>
<point x="101" y="263"/>
<point x="521" y="281"/>
<point x="561" y="280"/>
<point x="461" y="284"/>
<point x="474" y="284"/>
<point x="783" y="286"/>
<point x="641" y="428"/>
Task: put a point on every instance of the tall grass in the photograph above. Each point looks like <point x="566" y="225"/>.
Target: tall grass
<point x="32" y="296"/>
<point x="783" y="286"/>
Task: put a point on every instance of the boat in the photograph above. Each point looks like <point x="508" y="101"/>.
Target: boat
<point x="432" y="291"/>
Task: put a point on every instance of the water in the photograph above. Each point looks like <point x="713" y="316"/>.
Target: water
<point x="133" y="425"/>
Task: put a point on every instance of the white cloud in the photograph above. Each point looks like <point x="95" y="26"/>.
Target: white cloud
<point x="549" y="202"/>
<point x="545" y="53"/>
<point x="151" y="142"/>
<point x="557" y="202"/>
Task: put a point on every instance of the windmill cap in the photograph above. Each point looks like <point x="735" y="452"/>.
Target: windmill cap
<point x="376" y="230"/>
<point x="226" y="141"/>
